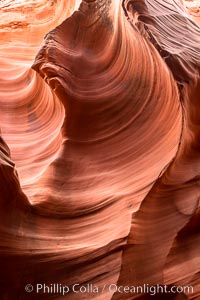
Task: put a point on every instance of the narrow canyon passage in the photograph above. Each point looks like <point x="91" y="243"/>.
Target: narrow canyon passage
<point x="100" y="161"/>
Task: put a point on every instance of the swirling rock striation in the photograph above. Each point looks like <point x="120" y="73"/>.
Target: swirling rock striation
<point x="104" y="131"/>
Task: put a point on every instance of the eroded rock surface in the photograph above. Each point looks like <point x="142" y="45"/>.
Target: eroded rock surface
<point x="100" y="161"/>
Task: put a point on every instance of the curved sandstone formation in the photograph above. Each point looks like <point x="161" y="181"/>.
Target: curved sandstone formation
<point x="100" y="147"/>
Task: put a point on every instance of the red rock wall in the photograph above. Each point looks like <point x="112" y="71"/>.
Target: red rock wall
<point x="99" y="154"/>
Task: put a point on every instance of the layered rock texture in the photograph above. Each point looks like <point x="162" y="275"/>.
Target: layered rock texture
<point x="100" y="146"/>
